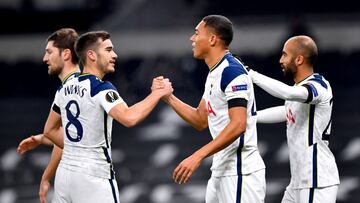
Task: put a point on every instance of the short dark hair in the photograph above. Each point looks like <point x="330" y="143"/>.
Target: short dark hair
<point x="87" y="41"/>
<point x="222" y="27"/>
<point x="65" y="38"/>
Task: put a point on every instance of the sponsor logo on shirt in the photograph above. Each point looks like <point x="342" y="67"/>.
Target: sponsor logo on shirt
<point x="236" y="88"/>
<point x="290" y="118"/>
<point x="111" y="96"/>
<point x="210" y="109"/>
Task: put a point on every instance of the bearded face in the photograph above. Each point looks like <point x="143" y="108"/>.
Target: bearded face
<point x="289" y="68"/>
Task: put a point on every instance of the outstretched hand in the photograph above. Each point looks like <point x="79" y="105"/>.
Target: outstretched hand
<point x="163" y="86"/>
<point x="29" y="143"/>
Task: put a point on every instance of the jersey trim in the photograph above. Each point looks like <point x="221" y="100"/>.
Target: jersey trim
<point x="239" y="189"/>
<point x="319" y="79"/>
<point x="106" y="153"/>
<point x="96" y="84"/>
<point x="218" y="63"/>
<point x="311" y="195"/>
<point x="237" y="102"/>
<point x="105" y="129"/>
<point x="310" y="95"/>
<point x="56" y="108"/>
<point x="311" y="124"/>
<point x="102" y="87"/>
<point x="238" y="154"/>
<point x="108" y="159"/>
<point x="75" y="73"/>
<point x="113" y="190"/>
<point x="315" y="166"/>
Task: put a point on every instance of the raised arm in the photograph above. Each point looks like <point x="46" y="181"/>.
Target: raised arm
<point x="130" y="116"/>
<point x="279" y="89"/>
<point x="196" y="117"/>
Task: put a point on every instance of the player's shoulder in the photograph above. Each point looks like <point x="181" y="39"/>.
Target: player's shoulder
<point x="96" y="84"/>
<point x="235" y="65"/>
<point x="232" y="72"/>
<point x="319" y="81"/>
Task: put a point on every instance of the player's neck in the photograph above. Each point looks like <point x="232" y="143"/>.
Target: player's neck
<point x="93" y="71"/>
<point x="68" y="70"/>
<point x="303" y="74"/>
<point x="215" y="57"/>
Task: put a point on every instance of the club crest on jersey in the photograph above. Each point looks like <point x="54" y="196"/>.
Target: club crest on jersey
<point x="111" y="96"/>
<point x="236" y="88"/>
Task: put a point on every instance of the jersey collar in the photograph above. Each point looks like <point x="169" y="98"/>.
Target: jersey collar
<point x="69" y="75"/>
<point x="218" y="63"/>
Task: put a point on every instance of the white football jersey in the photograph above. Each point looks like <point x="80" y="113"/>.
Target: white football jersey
<point x="312" y="164"/>
<point x="84" y="103"/>
<point x="226" y="81"/>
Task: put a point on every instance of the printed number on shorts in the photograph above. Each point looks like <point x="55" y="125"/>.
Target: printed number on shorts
<point x="73" y="121"/>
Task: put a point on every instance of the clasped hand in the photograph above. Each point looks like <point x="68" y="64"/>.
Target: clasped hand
<point x="163" y="86"/>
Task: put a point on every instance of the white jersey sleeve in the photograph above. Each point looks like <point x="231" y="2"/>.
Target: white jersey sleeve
<point x="279" y="89"/>
<point x="271" y="115"/>
<point x="238" y="88"/>
<point x="317" y="91"/>
<point x="55" y="105"/>
<point x="109" y="97"/>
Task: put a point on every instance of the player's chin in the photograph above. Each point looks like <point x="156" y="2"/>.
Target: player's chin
<point x="52" y="72"/>
<point x="111" y="69"/>
<point x="196" y="55"/>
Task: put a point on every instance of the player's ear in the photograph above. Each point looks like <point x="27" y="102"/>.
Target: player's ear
<point x="213" y="39"/>
<point x="91" y="54"/>
<point x="66" y="54"/>
<point x="299" y="60"/>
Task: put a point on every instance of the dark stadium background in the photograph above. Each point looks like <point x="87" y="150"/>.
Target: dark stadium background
<point x="152" y="38"/>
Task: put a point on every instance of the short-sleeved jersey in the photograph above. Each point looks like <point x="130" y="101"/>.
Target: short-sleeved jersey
<point x="84" y="103"/>
<point x="229" y="80"/>
<point x="312" y="164"/>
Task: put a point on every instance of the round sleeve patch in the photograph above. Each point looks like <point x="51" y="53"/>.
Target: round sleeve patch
<point x="111" y="96"/>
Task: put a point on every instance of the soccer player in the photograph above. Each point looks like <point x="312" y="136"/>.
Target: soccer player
<point x="85" y="106"/>
<point x="228" y="108"/>
<point x="307" y="112"/>
<point x="62" y="61"/>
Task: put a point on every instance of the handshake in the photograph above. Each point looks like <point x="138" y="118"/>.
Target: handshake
<point x="162" y="86"/>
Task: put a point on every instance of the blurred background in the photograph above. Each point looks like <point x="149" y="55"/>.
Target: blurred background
<point x="151" y="39"/>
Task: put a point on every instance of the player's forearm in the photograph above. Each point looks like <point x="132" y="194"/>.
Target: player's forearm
<point x="230" y="133"/>
<point x="194" y="116"/>
<point x="50" y="170"/>
<point x="52" y="129"/>
<point x="279" y="89"/>
<point x="271" y="115"/>
<point x="139" y="111"/>
<point x="55" y="136"/>
<point x="45" y="140"/>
